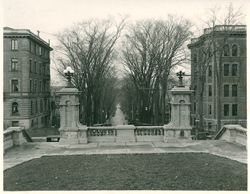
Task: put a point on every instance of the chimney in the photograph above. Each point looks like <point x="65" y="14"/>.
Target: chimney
<point x="38" y="32"/>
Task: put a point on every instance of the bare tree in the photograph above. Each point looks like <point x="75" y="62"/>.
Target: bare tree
<point x="152" y="48"/>
<point x="89" y="48"/>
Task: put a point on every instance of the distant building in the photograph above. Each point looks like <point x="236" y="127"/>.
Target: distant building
<point x="26" y="79"/>
<point x="55" y="107"/>
<point x="232" y="75"/>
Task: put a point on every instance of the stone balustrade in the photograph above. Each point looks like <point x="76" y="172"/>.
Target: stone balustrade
<point x="13" y="136"/>
<point x="233" y="133"/>
<point x="149" y="133"/>
<point x="126" y="133"/>
<point x="72" y="132"/>
<point x="101" y="134"/>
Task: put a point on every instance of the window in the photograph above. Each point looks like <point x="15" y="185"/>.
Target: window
<point x="40" y="68"/>
<point x="226" y="69"/>
<point x="182" y="133"/>
<point x="40" y="86"/>
<point x="14" y="108"/>
<point x="15" y="123"/>
<point x="14" y="65"/>
<point x="30" y="46"/>
<point x="34" y="66"/>
<point x="226" y="109"/>
<point x="45" y="104"/>
<point x="209" y="90"/>
<point x="234" y="90"/>
<point x="226" y="51"/>
<point x="14" y="44"/>
<point x="34" y="86"/>
<point x="234" y="69"/>
<point x="44" y="86"/>
<point x="37" y="68"/>
<point x="30" y="85"/>
<point x="31" y="107"/>
<point x="41" y="106"/>
<point x="43" y="68"/>
<point x="48" y="104"/>
<point x="234" y="50"/>
<point x="36" y="107"/>
<point x="30" y="66"/>
<point x="40" y="50"/>
<point x="209" y="125"/>
<point x="210" y="70"/>
<point x="14" y="86"/>
<point x="234" y="109"/>
<point x="226" y="90"/>
<point x="209" y="109"/>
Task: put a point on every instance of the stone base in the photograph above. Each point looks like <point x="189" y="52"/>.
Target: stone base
<point x="73" y="135"/>
<point x="125" y="133"/>
<point x="175" y="134"/>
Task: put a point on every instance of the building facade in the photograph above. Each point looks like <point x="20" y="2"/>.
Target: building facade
<point x="26" y="79"/>
<point x="218" y="77"/>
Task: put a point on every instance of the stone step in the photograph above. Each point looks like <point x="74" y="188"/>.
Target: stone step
<point x="39" y="139"/>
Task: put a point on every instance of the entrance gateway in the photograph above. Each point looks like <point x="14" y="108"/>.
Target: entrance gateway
<point x="73" y="132"/>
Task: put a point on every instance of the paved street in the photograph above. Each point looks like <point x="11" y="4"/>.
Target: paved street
<point x="119" y="118"/>
<point x="30" y="151"/>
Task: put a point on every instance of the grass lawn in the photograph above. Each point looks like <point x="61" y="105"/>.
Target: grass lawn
<point x="175" y="171"/>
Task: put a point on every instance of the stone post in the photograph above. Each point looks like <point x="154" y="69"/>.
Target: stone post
<point x="71" y="130"/>
<point x="179" y="126"/>
<point x="125" y="133"/>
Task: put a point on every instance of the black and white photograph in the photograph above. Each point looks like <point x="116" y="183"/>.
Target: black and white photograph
<point x="124" y="95"/>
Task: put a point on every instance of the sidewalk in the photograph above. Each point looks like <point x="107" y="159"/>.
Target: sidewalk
<point x="28" y="151"/>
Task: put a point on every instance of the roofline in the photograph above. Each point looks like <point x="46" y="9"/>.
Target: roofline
<point x="218" y="29"/>
<point x="10" y="32"/>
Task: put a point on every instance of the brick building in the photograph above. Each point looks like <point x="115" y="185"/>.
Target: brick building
<point x="26" y="79"/>
<point x="231" y="68"/>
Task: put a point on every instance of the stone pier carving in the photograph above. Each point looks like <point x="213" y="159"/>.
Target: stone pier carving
<point x="179" y="126"/>
<point x="71" y="130"/>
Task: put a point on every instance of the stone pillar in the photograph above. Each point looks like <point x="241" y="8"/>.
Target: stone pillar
<point x="179" y="126"/>
<point x="125" y="133"/>
<point x="18" y="138"/>
<point x="71" y="130"/>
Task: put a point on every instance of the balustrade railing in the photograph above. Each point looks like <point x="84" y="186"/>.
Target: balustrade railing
<point x="149" y="131"/>
<point x="101" y="131"/>
<point x="101" y="134"/>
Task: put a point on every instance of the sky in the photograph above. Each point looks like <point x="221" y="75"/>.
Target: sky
<point x="52" y="16"/>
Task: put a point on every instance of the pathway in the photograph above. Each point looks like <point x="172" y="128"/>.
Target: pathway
<point x="119" y="118"/>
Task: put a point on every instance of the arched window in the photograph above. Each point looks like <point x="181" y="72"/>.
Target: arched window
<point x="226" y="50"/>
<point x="234" y="50"/>
<point x="14" y="108"/>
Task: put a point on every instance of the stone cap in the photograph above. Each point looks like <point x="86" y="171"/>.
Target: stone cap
<point x="125" y="127"/>
<point x="12" y="129"/>
<point x="235" y="127"/>
<point x="68" y="91"/>
<point x="172" y="126"/>
<point x="181" y="90"/>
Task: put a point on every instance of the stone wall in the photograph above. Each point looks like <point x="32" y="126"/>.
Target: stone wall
<point x="13" y="136"/>
<point x="234" y="134"/>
